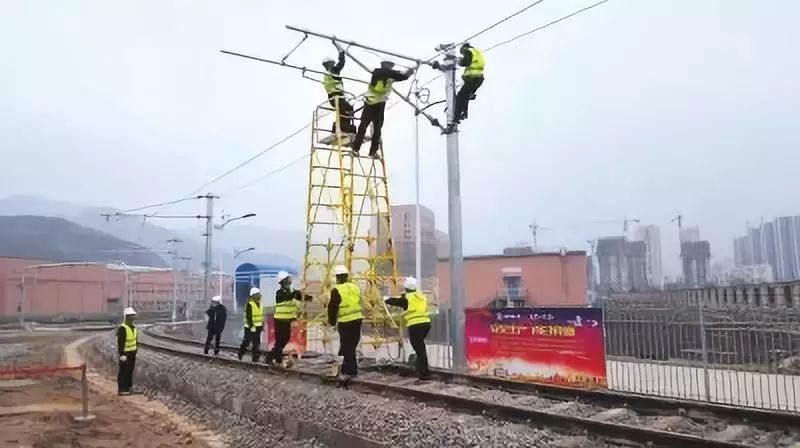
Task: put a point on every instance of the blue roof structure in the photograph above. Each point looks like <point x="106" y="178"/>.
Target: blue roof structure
<point x="250" y="274"/>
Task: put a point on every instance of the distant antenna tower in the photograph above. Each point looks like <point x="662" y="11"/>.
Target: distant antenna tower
<point x="535" y="228"/>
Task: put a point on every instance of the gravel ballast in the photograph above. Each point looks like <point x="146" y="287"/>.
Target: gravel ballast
<point x="388" y="422"/>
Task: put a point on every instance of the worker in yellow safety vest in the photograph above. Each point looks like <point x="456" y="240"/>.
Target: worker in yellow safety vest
<point x="253" y="325"/>
<point x="287" y="309"/>
<point x="378" y="90"/>
<point x="334" y="87"/>
<point x="344" y="312"/>
<point x="127" y="339"/>
<point x="473" y="62"/>
<point x="417" y="320"/>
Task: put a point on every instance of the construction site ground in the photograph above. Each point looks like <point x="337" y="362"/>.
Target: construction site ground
<point x="38" y="412"/>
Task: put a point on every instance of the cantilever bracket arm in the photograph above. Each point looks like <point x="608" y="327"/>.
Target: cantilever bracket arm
<point x="418" y="111"/>
<point x="283" y="64"/>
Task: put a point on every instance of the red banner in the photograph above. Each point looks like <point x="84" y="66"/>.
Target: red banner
<point x="297" y="341"/>
<point x="553" y="345"/>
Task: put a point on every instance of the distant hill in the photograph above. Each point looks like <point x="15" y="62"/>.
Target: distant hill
<point x="59" y="240"/>
<point x="272" y="247"/>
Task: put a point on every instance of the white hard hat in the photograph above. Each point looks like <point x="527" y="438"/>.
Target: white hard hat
<point x="340" y="270"/>
<point x="327" y="61"/>
<point x="254" y="291"/>
<point x="216" y="299"/>
<point x="410" y="283"/>
<point x="283" y="275"/>
<point x="129" y="312"/>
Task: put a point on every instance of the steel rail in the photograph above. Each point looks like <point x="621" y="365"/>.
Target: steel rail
<point x="614" y="432"/>
<point x="644" y="404"/>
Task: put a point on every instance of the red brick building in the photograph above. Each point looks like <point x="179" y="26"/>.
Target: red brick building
<point x="37" y="287"/>
<point x="541" y="279"/>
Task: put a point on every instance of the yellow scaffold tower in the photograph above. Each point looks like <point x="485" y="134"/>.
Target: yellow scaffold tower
<point x="349" y="223"/>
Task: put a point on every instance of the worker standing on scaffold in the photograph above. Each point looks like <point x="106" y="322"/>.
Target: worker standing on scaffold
<point x="378" y="90"/>
<point x="334" y="87"/>
<point x="344" y="312"/>
<point x="417" y="320"/>
<point x="253" y="325"/>
<point x="472" y="60"/>
<point x="287" y="301"/>
<point x="127" y="340"/>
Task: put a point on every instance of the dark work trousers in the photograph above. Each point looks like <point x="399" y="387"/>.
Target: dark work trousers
<point x="471" y="85"/>
<point x="372" y="113"/>
<point x="349" y="337"/>
<point x="254" y="338"/>
<point x="345" y="114"/>
<point x="417" y="334"/>
<point x="125" y="372"/>
<point x="215" y="335"/>
<point x="283" y="332"/>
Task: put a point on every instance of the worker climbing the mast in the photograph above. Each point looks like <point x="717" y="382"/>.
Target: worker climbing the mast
<point x="417" y="320"/>
<point x="378" y="90"/>
<point x="334" y="87"/>
<point x="472" y="60"/>
<point x="344" y="312"/>
<point x="287" y="308"/>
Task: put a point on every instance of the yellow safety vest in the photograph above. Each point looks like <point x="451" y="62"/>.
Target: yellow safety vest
<point x="417" y="311"/>
<point x="332" y="85"/>
<point x="287" y="310"/>
<point x="475" y="68"/>
<point x="257" y="313"/>
<point x="350" y="308"/>
<point x="131" y="337"/>
<point x="379" y="92"/>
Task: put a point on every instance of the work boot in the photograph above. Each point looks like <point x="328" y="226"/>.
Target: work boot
<point x="216" y="352"/>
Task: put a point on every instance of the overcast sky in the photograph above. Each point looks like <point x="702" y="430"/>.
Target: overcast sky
<point x="636" y="108"/>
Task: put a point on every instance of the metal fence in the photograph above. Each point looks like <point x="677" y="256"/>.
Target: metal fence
<point x="689" y="344"/>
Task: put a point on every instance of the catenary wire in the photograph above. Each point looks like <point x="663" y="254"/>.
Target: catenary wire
<point x="534" y="30"/>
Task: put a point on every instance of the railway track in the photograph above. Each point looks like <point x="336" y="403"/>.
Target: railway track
<point x="614" y="418"/>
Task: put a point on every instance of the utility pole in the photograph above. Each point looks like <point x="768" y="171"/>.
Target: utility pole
<point x="457" y="319"/>
<point x="173" y="254"/>
<point x="209" y="229"/>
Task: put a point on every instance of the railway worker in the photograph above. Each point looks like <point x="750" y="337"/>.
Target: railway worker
<point x="334" y="87"/>
<point x="253" y="325"/>
<point x="378" y="90"/>
<point x="287" y="309"/>
<point x="217" y="315"/>
<point x="473" y="63"/>
<point x="344" y="312"/>
<point x="417" y="320"/>
<point x="127" y="339"/>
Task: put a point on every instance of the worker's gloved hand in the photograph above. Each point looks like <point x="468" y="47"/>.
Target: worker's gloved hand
<point x="123" y="358"/>
<point x="411" y="70"/>
<point x="436" y="65"/>
<point x="253" y="330"/>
